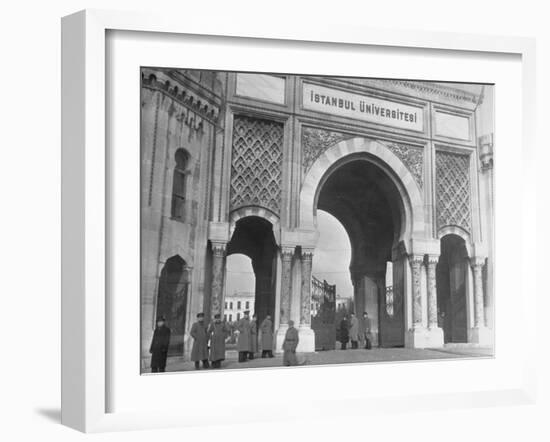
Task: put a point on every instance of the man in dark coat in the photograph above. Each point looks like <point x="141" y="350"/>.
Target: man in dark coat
<point x="344" y="332"/>
<point x="244" y="337"/>
<point x="354" y="331"/>
<point x="289" y="345"/>
<point x="159" y="346"/>
<point x="218" y="332"/>
<point x="199" y="351"/>
<point x="267" y="337"/>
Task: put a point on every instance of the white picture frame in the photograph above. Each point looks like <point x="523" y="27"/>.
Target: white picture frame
<point x="85" y="233"/>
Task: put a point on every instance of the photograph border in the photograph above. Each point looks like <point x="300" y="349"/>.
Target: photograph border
<point x="85" y="199"/>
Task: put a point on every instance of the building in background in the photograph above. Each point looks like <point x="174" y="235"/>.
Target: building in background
<point x="236" y="304"/>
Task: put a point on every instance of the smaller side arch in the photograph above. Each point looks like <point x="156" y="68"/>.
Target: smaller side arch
<point x="458" y="231"/>
<point x="260" y="212"/>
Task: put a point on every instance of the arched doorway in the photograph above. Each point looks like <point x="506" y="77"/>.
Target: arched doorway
<point x="366" y="201"/>
<point x="253" y="237"/>
<point x="452" y="289"/>
<point x="240" y="287"/>
<point x="172" y="300"/>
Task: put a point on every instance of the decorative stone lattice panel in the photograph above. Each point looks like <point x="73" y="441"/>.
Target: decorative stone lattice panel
<point x="256" y="166"/>
<point x="412" y="157"/>
<point x="453" y="190"/>
<point x="315" y="141"/>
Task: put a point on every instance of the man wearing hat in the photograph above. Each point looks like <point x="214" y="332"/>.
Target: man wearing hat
<point x="253" y="336"/>
<point x="199" y="351"/>
<point x="218" y="332"/>
<point x="267" y="337"/>
<point x="159" y="346"/>
<point x="244" y="345"/>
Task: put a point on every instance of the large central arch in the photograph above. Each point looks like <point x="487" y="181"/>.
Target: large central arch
<point x="375" y="197"/>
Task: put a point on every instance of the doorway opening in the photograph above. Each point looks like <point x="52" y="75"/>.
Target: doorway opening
<point x="451" y="279"/>
<point x="172" y="301"/>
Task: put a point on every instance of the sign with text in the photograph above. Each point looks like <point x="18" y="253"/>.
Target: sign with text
<point x="362" y="107"/>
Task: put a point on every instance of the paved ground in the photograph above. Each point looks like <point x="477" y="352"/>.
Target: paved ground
<point x="345" y="357"/>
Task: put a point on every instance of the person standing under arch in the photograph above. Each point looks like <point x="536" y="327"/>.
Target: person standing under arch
<point x="267" y="337"/>
<point x="289" y="345"/>
<point x="354" y="331"/>
<point x="344" y="332"/>
<point x="244" y="337"/>
<point x="218" y="332"/>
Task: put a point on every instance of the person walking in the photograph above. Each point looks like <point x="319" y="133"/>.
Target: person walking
<point x="289" y="345"/>
<point x="266" y="329"/>
<point x="244" y="337"/>
<point x="366" y="325"/>
<point x="344" y="332"/>
<point x="218" y="332"/>
<point x="354" y="331"/>
<point x="159" y="346"/>
<point x="253" y="337"/>
<point x="199" y="351"/>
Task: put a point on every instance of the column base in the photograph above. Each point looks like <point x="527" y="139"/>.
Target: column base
<point x="481" y="336"/>
<point x="280" y="338"/>
<point x="307" y="339"/>
<point x="435" y="337"/>
<point x="417" y="338"/>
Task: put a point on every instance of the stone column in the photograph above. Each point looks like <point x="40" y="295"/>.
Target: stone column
<point x="305" y="298"/>
<point x="306" y="334"/>
<point x="479" y="334"/>
<point x="435" y="333"/>
<point x="416" y="264"/>
<point x="432" y="291"/>
<point x="287" y="253"/>
<point x="479" y="313"/>
<point x="218" y="273"/>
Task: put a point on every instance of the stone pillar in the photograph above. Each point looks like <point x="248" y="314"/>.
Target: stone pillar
<point x="287" y="253"/>
<point x="306" y="334"/>
<point x="218" y="274"/>
<point x="417" y="336"/>
<point x="416" y="265"/>
<point x="479" y="334"/>
<point x="435" y="334"/>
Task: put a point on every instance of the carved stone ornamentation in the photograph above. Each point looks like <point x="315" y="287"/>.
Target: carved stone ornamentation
<point x="286" y="283"/>
<point x="256" y="165"/>
<point x="218" y="270"/>
<point x="416" y="264"/>
<point x="412" y="157"/>
<point x="486" y="152"/>
<point x="477" y="264"/>
<point x="305" y="300"/>
<point x="432" y="291"/>
<point x="453" y="190"/>
<point x="315" y="141"/>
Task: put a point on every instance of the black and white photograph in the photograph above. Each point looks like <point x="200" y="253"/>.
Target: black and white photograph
<point x="301" y="220"/>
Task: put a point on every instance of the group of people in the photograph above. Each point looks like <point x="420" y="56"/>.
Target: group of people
<point x="209" y="341"/>
<point x="349" y="331"/>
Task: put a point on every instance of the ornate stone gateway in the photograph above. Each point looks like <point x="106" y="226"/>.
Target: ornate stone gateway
<point x="240" y="163"/>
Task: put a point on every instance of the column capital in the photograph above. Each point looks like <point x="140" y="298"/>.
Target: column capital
<point x="416" y="259"/>
<point x="219" y="248"/>
<point x="477" y="261"/>
<point x="433" y="259"/>
<point x="307" y="254"/>
<point x="287" y="252"/>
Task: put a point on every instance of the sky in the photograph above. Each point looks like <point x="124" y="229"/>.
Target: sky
<point x="331" y="260"/>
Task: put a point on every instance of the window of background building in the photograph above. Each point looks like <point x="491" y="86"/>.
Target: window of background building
<point x="238" y="305"/>
<point x="226" y="305"/>
<point x="225" y="317"/>
<point x="238" y="316"/>
<point x="178" y="184"/>
<point x="231" y="305"/>
<point x="230" y="318"/>
<point x="247" y="304"/>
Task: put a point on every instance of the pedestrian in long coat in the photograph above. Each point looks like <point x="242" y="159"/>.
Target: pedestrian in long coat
<point x="199" y="351"/>
<point x="244" y="337"/>
<point x="354" y="331"/>
<point x="218" y="332"/>
<point x="289" y="345"/>
<point x="253" y="337"/>
<point x="266" y="329"/>
<point x="344" y="332"/>
<point x="159" y="346"/>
